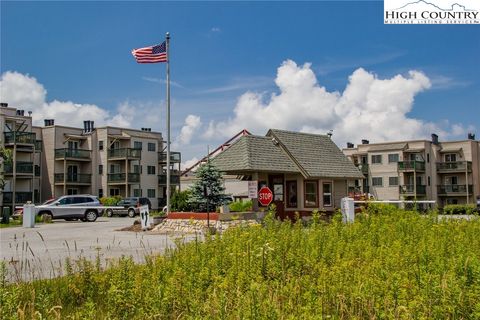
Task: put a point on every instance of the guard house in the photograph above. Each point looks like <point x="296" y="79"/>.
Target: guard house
<point x="304" y="171"/>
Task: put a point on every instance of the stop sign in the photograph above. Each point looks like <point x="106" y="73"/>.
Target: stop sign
<point x="265" y="196"/>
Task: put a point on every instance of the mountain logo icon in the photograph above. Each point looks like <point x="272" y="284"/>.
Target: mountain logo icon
<point x="425" y="4"/>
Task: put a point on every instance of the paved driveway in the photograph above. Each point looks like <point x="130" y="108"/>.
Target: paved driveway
<point x="40" y="252"/>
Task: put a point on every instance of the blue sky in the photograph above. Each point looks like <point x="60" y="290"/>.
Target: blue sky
<point x="80" y="52"/>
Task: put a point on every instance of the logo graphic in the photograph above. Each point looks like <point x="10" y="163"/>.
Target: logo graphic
<point x="431" y="12"/>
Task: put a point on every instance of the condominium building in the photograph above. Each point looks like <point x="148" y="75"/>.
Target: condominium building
<point x="445" y="171"/>
<point x="22" y="174"/>
<point x="104" y="161"/>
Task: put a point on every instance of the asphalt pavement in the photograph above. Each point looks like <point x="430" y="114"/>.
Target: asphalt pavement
<point x="41" y="252"/>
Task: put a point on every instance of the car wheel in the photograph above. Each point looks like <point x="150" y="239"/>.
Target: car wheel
<point x="46" y="216"/>
<point x="90" y="216"/>
<point x="109" y="213"/>
<point x="131" y="213"/>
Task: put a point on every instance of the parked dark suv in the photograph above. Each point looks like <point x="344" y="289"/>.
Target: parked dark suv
<point x="131" y="207"/>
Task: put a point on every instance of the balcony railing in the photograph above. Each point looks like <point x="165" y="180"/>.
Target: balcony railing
<point x="175" y="157"/>
<point x="412" y="165"/>
<point x="409" y="189"/>
<point x="454" y="166"/>
<point x="73" y="178"/>
<point x="363" y="167"/>
<point x="125" y="153"/>
<point x="174" y="178"/>
<point x="19" y="137"/>
<point x="22" y="167"/>
<point x="454" y="189"/>
<point x="122" y="177"/>
<point x="80" y="154"/>
<point x="20" y="197"/>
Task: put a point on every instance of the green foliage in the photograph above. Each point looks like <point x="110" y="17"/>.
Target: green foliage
<point x="241" y="206"/>
<point x="110" y="201"/>
<point x="208" y="177"/>
<point x="459" y="209"/>
<point x="179" y="201"/>
<point x="399" y="265"/>
<point x="5" y="158"/>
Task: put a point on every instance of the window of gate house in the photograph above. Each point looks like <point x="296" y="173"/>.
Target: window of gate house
<point x="327" y="194"/>
<point x="151" y="146"/>
<point x="311" y="194"/>
<point x="376" y="158"/>
<point x="291" y="194"/>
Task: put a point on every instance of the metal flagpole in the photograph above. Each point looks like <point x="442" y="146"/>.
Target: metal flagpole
<point x="168" y="120"/>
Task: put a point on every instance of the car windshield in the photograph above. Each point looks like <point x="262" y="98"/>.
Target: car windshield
<point x="49" y="201"/>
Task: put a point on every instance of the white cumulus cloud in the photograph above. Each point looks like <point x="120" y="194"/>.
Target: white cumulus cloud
<point x="369" y="107"/>
<point x="192" y="124"/>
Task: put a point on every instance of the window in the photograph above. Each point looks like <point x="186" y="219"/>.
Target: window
<point x="100" y="145"/>
<point x="291" y="194"/>
<point x="377" y="158"/>
<point x="452" y="201"/>
<point x="450" y="157"/>
<point x="393" y="181"/>
<point x="428" y="157"/>
<point x="137" y="145"/>
<point x="451" y="180"/>
<point x="114" y="192"/>
<point x="327" y="194"/>
<point x="151" y="169"/>
<point x="392" y="158"/>
<point x="311" y="194"/>
<point x="72" y="191"/>
<point x="151" y="193"/>
<point x="428" y="180"/>
<point x="73" y="145"/>
<point x="377" y="181"/>
<point x="100" y="193"/>
<point x="137" y="168"/>
<point x="137" y="192"/>
<point x="151" y="146"/>
<point x="100" y="169"/>
<point x="115" y="168"/>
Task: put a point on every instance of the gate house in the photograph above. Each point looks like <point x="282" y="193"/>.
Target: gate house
<point x="304" y="171"/>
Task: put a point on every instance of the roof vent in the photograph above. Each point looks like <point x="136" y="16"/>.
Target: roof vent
<point x="350" y="145"/>
<point x="147" y="129"/>
<point x="434" y="138"/>
<point x="49" y="122"/>
<point x="20" y="112"/>
<point x="88" y="126"/>
<point x="364" y="141"/>
<point x="3" y="104"/>
<point x="471" y="136"/>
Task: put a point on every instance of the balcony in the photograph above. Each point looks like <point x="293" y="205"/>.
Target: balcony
<point x="21" y="168"/>
<point x="409" y="189"/>
<point x="410" y="166"/>
<point x="175" y="157"/>
<point x="38" y="145"/>
<point x="19" y="138"/>
<point x="363" y="167"/>
<point x="79" y="178"/>
<point x="174" y="178"/>
<point x="124" y="153"/>
<point x="456" y="166"/>
<point x="121" y="178"/>
<point x="454" y="190"/>
<point x="20" y="197"/>
<point x="73" y="154"/>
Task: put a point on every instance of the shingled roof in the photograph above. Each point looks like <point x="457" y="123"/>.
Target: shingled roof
<point x="312" y="155"/>
<point x="316" y="154"/>
<point x="254" y="153"/>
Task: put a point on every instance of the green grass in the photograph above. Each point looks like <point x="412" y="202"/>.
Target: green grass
<point x="12" y="223"/>
<point x="389" y="264"/>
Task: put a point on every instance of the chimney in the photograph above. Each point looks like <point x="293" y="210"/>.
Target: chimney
<point x="350" y="145"/>
<point x="88" y="126"/>
<point x="92" y="125"/>
<point x="434" y="138"/>
<point x="364" y="141"/>
<point x="3" y="104"/>
<point x="20" y="112"/>
<point x="49" y="122"/>
<point x="471" y="136"/>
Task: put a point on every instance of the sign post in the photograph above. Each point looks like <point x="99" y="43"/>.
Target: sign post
<point x="145" y="215"/>
<point x="265" y="196"/>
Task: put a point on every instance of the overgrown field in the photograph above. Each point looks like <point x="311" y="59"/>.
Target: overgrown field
<point x="388" y="264"/>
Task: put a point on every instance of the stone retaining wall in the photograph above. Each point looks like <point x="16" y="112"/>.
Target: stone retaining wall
<point x="191" y="226"/>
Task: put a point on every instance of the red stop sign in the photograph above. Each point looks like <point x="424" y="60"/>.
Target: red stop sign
<point x="265" y="196"/>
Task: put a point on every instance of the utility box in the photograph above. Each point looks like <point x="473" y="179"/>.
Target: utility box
<point x="29" y="213"/>
<point x="348" y="210"/>
<point x="5" y="215"/>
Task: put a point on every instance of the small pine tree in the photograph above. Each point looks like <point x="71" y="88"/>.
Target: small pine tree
<point x="208" y="177"/>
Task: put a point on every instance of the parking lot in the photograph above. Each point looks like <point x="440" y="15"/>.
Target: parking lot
<point x="41" y="252"/>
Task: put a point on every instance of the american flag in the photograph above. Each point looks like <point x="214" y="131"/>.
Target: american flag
<point x="152" y="54"/>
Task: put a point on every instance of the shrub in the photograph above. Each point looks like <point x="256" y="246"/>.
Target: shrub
<point x="459" y="209"/>
<point x="179" y="201"/>
<point x="110" y="201"/>
<point x="240" y="206"/>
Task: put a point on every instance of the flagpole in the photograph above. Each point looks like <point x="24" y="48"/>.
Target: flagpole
<point x="168" y="120"/>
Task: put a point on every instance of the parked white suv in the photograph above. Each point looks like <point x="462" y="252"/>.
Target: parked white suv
<point x="72" y="208"/>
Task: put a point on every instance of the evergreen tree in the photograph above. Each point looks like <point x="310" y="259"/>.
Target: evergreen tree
<point x="209" y="180"/>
